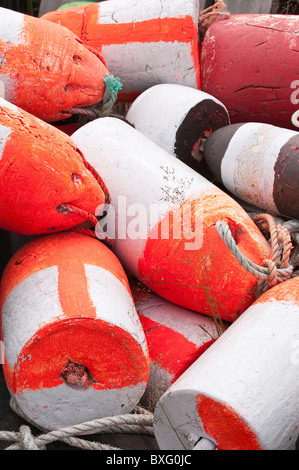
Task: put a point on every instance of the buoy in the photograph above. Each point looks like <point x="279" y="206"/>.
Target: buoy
<point x="179" y="119"/>
<point x="45" y="68"/>
<point x="175" y="336"/>
<point x="74" y="346"/>
<point x="144" y="43"/>
<point x="258" y="163"/>
<point x="242" y="393"/>
<point x="238" y="56"/>
<point x="162" y="217"/>
<point x="46" y="183"/>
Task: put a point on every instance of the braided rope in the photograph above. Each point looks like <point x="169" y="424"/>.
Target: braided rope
<point x="140" y="422"/>
<point x="273" y="271"/>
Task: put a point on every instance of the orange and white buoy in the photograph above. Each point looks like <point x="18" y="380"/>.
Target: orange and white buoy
<point x="175" y="336"/>
<point x="242" y="393"/>
<point x="43" y="176"/>
<point x="258" y="163"/>
<point x="74" y="347"/>
<point x="163" y="215"/>
<point x="45" y="69"/>
<point x="178" y="118"/>
<point x="144" y="43"/>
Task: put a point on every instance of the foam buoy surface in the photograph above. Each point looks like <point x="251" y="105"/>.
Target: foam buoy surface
<point x="45" y="67"/>
<point x="163" y="216"/>
<point x="258" y="163"/>
<point x="242" y="393"/>
<point x="74" y="346"/>
<point x="144" y="43"/>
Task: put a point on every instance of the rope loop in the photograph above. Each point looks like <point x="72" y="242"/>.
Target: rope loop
<point x="139" y="422"/>
<point x="273" y="271"/>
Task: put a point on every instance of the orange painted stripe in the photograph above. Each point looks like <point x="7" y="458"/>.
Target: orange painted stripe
<point x="68" y="251"/>
<point x="223" y="424"/>
<point x="169" y="349"/>
<point x="288" y="291"/>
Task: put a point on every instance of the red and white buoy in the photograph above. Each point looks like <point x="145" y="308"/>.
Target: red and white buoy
<point x="175" y="336"/>
<point x="242" y="393"/>
<point x="178" y="118"/>
<point x="144" y="43"/>
<point x="74" y="347"/>
<point x="249" y="62"/>
<point x="163" y="214"/>
<point x="45" y="69"/>
<point x="258" y="163"/>
<point x="41" y="170"/>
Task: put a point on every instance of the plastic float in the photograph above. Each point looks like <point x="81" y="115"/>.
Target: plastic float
<point x="47" y="185"/>
<point x="249" y="62"/>
<point x="144" y="43"/>
<point x="242" y="393"/>
<point x="162" y="217"/>
<point x="45" y="68"/>
<point x="258" y="163"/>
<point x="178" y="118"/>
<point x="176" y="337"/>
<point x="74" y="346"/>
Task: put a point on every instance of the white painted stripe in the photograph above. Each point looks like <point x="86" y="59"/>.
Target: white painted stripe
<point x="11" y="25"/>
<point x="132" y="11"/>
<point x="142" y="65"/>
<point x="5" y="132"/>
<point x="160" y="110"/>
<point x="30" y="305"/>
<point x="193" y="326"/>
<point x="62" y="406"/>
<point x="7" y="104"/>
<point x="150" y="181"/>
<point x="247" y="168"/>
<point x="250" y="368"/>
<point x="113" y="302"/>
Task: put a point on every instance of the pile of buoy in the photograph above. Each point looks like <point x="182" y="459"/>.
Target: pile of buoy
<point x="150" y="152"/>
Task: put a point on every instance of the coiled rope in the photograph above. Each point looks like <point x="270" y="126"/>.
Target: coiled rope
<point x="273" y="271"/>
<point x="139" y="422"/>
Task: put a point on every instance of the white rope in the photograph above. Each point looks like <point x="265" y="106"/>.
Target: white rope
<point x="139" y="422"/>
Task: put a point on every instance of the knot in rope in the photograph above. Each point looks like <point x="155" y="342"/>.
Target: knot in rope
<point x="274" y="270"/>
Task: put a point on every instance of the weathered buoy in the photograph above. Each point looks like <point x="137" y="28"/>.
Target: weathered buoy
<point x="242" y="393"/>
<point x="175" y="336"/>
<point x="45" y="69"/>
<point x="74" y="347"/>
<point x="162" y="217"/>
<point x="178" y="118"/>
<point x="238" y="56"/>
<point x="144" y="43"/>
<point x="258" y="163"/>
<point x="46" y="183"/>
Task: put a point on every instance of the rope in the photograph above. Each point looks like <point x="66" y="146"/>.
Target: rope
<point x="139" y="422"/>
<point x="209" y="15"/>
<point x="274" y="270"/>
<point x="113" y="85"/>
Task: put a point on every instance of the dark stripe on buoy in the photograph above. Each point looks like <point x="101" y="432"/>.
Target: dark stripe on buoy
<point x="286" y="171"/>
<point x="204" y="118"/>
<point x="216" y="146"/>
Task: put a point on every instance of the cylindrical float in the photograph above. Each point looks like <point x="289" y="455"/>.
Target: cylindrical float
<point x="243" y="392"/>
<point x="258" y="163"/>
<point x="144" y="43"/>
<point x="45" y="69"/>
<point x="41" y="170"/>
<point x="175" y="337"/>
<point x="178" y="118"/>
<point x="249" y="62"/>
<point x="163" y="215"/>
<point x="74" y="346"/>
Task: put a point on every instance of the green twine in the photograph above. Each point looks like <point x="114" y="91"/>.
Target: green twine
<point x="113" y="85"/>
